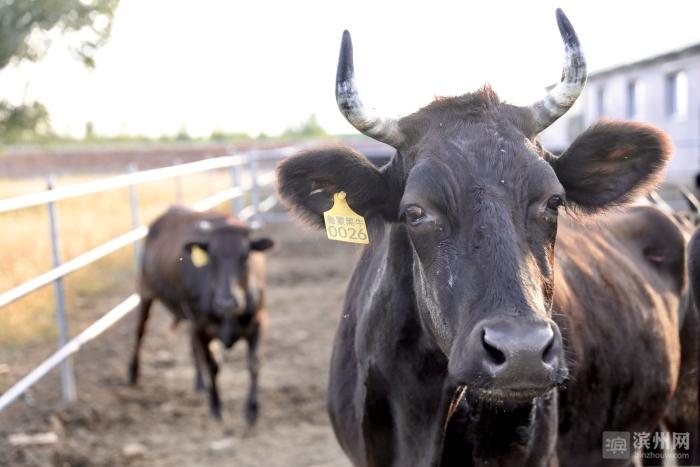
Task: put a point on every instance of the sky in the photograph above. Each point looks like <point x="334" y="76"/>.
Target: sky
<point x="264" y="65"/>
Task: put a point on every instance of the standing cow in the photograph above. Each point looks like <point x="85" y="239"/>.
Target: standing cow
<point x="467" y="338"/>
<point x="205" y="268"/>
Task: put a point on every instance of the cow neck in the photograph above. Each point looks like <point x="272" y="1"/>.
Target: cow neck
<point x="397" y="278"/>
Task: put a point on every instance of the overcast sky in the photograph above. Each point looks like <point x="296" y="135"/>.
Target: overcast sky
<point x="265" y="65"/>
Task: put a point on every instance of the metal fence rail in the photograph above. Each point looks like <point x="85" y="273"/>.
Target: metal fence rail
<point x="92" y="331"/>
<point x="235" y="163"/>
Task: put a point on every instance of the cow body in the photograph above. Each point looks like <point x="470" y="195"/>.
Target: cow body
<point x="502" y="314"/>
<point x="205" y="269"/>
<point x="620" y="296"/>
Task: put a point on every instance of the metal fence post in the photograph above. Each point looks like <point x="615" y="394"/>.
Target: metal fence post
<point x="135" y="224"/>
<point x="178" y="185"/>
<point x="254" y="193"/>
<point x="211" y="182"/>
<point x="67" y="375"/>
<point x="237" y="203"/>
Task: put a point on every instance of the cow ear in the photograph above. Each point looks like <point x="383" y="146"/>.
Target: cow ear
<point x="261" y="244"/>
<point x="308" y="180"/>
<point x="611" y="163"/>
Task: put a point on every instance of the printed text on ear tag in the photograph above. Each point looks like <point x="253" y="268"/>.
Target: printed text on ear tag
<point x="199" y="257"/>
<point x="343" y="224"/>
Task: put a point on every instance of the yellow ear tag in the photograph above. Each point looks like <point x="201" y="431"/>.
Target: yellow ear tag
<point x="199" y="257"/>
<point x="343" y="224"/>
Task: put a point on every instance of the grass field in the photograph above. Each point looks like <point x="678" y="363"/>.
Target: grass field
<point x="84" y="223"/>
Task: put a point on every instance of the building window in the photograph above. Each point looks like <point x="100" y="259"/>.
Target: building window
<point x="677" y="95"/>
<point x="635" y="99"/>
<point x="631" y="99"/>
<point x="600" y="101"/>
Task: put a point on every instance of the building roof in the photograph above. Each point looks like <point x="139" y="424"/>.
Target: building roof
<point x="689" y="51"/>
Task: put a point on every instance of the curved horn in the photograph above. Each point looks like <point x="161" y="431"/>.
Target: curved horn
<point x="658" y="201"/>
<point x="690" y="198"/>
<point x="564" y="94"/>
<point x="382" y="129"/>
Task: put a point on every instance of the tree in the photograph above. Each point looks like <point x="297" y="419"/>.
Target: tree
<point x="308" y="129"/>
<point x="24" y="35"/>
<point x="24" y="27"/>
<point x="23" y="122"/>
<point x="89" y="131"/>
<point x="182" y="134"/>
<point x="222" y="136"/>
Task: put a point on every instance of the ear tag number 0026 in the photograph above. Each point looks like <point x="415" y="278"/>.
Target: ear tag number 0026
<point x="343" y="224"/>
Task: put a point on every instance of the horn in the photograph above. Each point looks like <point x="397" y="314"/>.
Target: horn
<point x="690" y="198"/>
<point x="562" y="96"/>
<point x="382" y="129"/>
<point x="658" y="201"/>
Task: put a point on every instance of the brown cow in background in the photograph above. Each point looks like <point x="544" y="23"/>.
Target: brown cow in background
<point x="205" y="268"/>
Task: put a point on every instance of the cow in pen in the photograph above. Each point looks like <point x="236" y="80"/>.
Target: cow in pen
<point x="206" y="268"/>
<point x="506" y="311"/>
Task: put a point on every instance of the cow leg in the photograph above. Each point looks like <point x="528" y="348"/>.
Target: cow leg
<point x="251" y="406"/>
<point x="205" y="360"/>
<point x="198" y="380"/>
<point x="199" y="385"/>
<point x="144" y="311"/>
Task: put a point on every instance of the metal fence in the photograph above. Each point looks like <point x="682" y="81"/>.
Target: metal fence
<point x="247" y="181"/>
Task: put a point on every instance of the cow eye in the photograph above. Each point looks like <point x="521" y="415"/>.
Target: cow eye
<point x="414" y="214"/>
<point x="555" y="202"/>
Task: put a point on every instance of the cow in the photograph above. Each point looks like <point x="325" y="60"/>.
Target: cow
<point x="507" y="310"/>
<point x="205" y="268"/>
<point x="681" y="416"/>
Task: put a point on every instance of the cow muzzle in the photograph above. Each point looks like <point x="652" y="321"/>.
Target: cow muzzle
<point x="225" y="303"/>
<point x="229" y="331"/>
<point x="510" y="360"/>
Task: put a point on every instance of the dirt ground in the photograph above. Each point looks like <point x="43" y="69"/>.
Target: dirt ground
<point x="162" y="421"/>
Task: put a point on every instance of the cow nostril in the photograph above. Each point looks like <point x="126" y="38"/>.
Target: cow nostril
<point x="496" y="356"/>
<point x="225" y="303"/>
<point x="549" y="353"/>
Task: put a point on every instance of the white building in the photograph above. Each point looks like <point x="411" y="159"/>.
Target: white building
<point x="662" y="90"/>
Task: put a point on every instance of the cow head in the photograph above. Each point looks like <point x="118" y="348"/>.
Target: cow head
<point x="216" y="261"/>
<point x="479" y="199"/>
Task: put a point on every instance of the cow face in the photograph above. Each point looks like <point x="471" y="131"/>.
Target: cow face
<point x="218" y="267"/>
<point x="480" y="204"/>
<point x="479" y="201"/>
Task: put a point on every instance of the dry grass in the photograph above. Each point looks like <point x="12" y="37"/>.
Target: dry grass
<point x="84" y="223"/>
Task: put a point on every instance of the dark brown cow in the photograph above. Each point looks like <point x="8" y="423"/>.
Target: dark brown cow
<point x="682" y="417"/>
<point x="205" y="268"/>
<point x="467" y="338"/>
